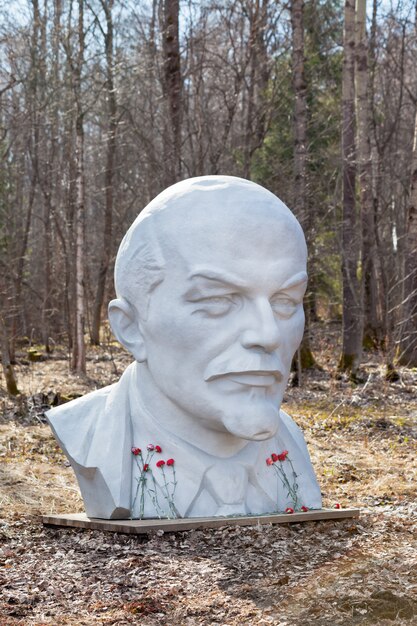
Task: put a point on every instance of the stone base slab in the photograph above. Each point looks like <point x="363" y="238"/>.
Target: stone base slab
<point x="136" y="527"/>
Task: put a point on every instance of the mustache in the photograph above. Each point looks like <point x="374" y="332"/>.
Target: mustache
<point x="244" y="363"/>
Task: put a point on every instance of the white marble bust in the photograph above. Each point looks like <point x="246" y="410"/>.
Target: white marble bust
<point x="210" y="280"/>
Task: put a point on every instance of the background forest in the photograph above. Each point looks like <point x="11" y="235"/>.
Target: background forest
<point x="104" y="103"/>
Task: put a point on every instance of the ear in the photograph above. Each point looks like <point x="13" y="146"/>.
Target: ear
<point x="124" y="321"/>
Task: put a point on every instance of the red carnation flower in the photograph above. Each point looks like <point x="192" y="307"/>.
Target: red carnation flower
<point x="289" y="510"/>
<point x="160" y="463"/>
<point x="337" y="506"/>
<point x="304" y="509"/>
<point x="283" y="455"/>
<point x="269" y="461"/>
<point x="146" y="467"/>
<point x="150" y="447"/>
<point x="158" y="449"/>
<point x="136" y="451"/>
<point x="274" y="457"/>
<point x="170" y="462"/>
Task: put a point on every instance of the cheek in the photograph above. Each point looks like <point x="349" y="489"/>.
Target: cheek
<point x="293" y="332"/>
<point x="184" y="333"/>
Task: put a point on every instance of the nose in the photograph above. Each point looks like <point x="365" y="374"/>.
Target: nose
<point x="262" y="331"/>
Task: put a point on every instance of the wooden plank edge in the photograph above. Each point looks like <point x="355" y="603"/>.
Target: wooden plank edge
<point x="80" y="520"/>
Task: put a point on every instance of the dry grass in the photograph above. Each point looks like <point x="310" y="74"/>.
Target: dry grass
<point x="363" y="445"/>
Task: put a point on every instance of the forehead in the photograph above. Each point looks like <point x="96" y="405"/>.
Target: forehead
<point x="243" y="233"/>
<point x="218" y="222"/>
<point x="250" y="255"/>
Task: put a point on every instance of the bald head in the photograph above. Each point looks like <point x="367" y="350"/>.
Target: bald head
<point x="195" y="213"/>
<point x="210" y="281"/>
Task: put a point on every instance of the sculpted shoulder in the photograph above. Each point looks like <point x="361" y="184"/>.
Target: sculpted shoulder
<point x="74" y="423"/>
<point x="92" y="400"/>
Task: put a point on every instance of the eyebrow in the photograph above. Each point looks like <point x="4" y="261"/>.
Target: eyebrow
<point x="225" y="279"/>
<point x="219" y="276"/>
<point x="295" y="281"/>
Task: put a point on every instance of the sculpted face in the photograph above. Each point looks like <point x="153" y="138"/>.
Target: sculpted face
<point x="223" y="325"/>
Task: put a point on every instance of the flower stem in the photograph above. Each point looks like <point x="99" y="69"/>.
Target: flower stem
<point x="170" y="497"/>
<point x="292" y="489"/>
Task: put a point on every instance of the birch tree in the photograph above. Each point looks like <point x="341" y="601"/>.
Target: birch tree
<point x="407" y="351"/>
<point x="78" y="358"/>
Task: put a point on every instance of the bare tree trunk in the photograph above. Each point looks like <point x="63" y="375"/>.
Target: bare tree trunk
<point x="9" y="376"/>
<point x="263" y="112"/>
<point x="40" y="153"/>
<point x="407" y="348"/>
<point x="258" y="79"/>
<point x="372" y="326"/>
<point x="46" y="308"/>
<point x="300" y="109"/>
<point x="381" y="260"/>
<point x="407" y="352"/>
<point x="18" y="283"/>
<point x="109" y="175"/>
<point x="172" y="89"/>
<point x="352" y="305"/>
<point x="250" y="110"/>
<point x="153" y="185"/>
<point x="78" y="361"/>
<point x="305" y="355"/>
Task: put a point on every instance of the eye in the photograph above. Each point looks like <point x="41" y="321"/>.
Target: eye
<point x="215" y="305"/>
<point x="284" y="306"/>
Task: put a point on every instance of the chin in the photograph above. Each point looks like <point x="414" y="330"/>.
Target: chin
<point x="259" y="436"/>
<point x="253" y="426"/>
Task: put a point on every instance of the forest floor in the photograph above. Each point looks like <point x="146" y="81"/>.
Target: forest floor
<point x="362" y="440"/>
